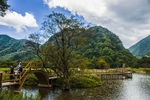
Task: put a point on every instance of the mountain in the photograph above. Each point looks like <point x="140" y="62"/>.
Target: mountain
<point x="106" y="45"/>
<point x="103" y="44"/>
<point x="142" y="48"/>
<point x="12" y="49"/>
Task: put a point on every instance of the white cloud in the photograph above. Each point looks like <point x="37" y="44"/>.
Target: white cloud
<point x="129" y="19"/>
<point x="17" y="21"/>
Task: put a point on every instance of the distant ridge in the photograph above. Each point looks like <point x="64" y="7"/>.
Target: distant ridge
<point x="142" y="48"/>
<point x="12" y="49"/>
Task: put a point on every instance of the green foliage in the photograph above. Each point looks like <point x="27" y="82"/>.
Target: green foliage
<point x="9" y="95"/>
<point x="142" y="48"/>
<point x="144" y="62"/>
<point x="85" y="81"/>
<point x="136" y="70"/>
<point x="3" y="7"/>
<point x="106" y="45"/>
<point x="7" y="64"/>
<point x="102" y="64"/>
<point x="4" y="69"/>
<point x="81" y="81"/>
<point x="12" y="49"/>
<point x="102" y="44"/>
<point x="68" y="34"/>
<point x="31" y="81"/>
<point x="57" y="83"/>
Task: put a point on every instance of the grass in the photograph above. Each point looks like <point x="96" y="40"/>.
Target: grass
<point x="135" y="70"/>
<point x="85" y="81"/>
<point x="81" y="81"/>
<point x="9" y="95"/>
<point x="99" y="71"/>
<point x="4" y="69"/>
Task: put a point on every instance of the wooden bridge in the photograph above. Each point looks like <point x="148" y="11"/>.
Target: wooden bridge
<point x="31" y="68"/>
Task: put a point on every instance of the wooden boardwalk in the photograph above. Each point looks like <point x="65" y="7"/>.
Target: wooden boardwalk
<point x="52" y="78"/>
<point x="5" y="84"/>
<point x="116" y="76"/>
<point x="9" y="84"/>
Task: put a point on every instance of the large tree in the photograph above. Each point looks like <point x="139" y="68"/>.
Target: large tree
<point x="3" y="7"/>
<point x="34" y="45"/>
<point x="67" y="35"/>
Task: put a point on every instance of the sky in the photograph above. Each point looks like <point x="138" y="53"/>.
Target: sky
<point x="129" y="19"/>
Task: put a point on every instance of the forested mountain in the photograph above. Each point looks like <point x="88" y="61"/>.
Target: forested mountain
<point x="104" y="44"/>
<point x="142" y="48"/>
<point x="12" y="49"/>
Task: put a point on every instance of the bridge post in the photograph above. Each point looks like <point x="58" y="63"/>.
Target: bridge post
<point x="1" y="76"/>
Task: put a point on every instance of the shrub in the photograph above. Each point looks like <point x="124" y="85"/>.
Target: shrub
<point x="80" y="81"/>
<point x="85" y="81"/>
<point x="31" y="81"/>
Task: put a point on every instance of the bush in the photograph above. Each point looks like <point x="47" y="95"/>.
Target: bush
<point x="80" y="81"/>
<point x="57" y="83"/>
<point x="31" y="81"/>
<point x="85" y="81"/>
<point x="7" y="64"/>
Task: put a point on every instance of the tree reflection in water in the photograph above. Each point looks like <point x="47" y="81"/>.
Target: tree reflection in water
<point x="137" y="88"/>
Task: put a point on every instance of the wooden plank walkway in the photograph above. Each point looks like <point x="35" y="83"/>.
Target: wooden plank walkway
<point x="5" y="84"/>
<point x="116" y="76"/>
<point x="9" y="84"/>
<point x="51" y="78"/>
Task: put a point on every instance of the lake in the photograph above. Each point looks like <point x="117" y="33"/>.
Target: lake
<point x="137" y="88"/>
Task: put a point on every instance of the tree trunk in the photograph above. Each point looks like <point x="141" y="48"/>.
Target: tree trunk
<point x="66" y="83"/>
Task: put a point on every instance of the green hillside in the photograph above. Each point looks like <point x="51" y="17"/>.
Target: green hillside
<point x="106" y="45"/>
<point x="142" y="48"/>
<point x="103" y="44"/>
<point x="12" y="49"/>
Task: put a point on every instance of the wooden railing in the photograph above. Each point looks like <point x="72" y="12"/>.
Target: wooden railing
<point x="6" y="77"/>
<point x="26" y="69"/>
<point x="19" y="77"/>
<point x="15" y="77"/>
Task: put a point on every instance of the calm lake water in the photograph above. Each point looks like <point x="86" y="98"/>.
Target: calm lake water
<point x="137" y="88"/>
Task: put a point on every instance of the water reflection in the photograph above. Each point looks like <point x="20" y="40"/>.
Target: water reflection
<point x="137" y="88"/>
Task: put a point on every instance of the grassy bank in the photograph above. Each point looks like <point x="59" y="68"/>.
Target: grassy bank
<point x="4" y="69"/>
<point x="140" y="70"/>
<point x="116" y="70"/>
<point x="81" y="81"/>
